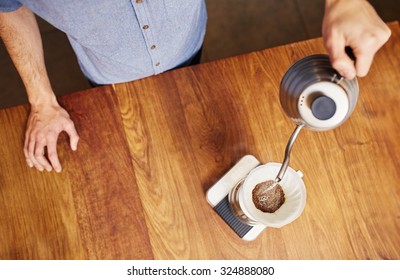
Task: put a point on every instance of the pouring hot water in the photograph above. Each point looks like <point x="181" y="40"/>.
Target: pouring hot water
<point x="315" y="97"/>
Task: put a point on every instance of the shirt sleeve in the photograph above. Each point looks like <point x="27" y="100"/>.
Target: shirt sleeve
<point x="9" y="5"/>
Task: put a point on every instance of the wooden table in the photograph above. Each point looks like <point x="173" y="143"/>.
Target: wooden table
<point x="150" y="150"/>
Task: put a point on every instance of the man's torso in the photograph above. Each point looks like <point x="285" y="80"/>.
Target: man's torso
<point x="122" y="40"/>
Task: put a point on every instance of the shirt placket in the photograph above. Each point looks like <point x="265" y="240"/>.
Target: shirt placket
<point x="142" y="13"/>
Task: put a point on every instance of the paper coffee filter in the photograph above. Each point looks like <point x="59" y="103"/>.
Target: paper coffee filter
<point x="293" y="187"/>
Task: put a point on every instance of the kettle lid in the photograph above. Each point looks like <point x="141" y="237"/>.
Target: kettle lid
<point x="323" y="105"/>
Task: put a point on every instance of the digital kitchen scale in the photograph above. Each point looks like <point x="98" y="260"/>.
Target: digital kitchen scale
<point x="217" y="197"/>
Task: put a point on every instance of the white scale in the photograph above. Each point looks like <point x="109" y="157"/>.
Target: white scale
<point x="217" y="197"/>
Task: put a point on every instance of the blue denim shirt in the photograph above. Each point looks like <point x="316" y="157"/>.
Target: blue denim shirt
<point x="123" y="40"/>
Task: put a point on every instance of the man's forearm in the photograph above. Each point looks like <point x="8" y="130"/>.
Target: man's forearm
<point x="20" y="34"/>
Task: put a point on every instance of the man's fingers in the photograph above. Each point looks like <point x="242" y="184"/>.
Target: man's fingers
<point x="26" y="144"/>
<point x="339" y="58"/>
<point x="363" y="63"/>
<point x="73" y="135"/>
<point x="52" y="152"/>
<point x="39" y="154"/>
<point x="31" y="154"/>
<point x="365" y="53"/>
<point x="44" y="125"/>
<point x="34" y="148"/>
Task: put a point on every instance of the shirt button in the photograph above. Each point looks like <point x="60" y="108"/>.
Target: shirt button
<point x="153" y="47"/>
<point x="145" y="27"/>
<point x="158" y="64"/>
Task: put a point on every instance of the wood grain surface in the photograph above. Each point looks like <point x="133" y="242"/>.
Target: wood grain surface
<point x="150" y="150"/>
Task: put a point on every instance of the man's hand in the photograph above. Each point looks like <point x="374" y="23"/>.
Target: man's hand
<point x="356" y="24"/>
<point x="44" y="125"/>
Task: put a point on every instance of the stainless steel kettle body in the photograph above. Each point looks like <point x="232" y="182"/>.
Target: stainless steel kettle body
<point x="313" y="94"/>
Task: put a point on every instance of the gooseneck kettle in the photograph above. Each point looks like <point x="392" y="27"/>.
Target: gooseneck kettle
<point x="315" y="96"/>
